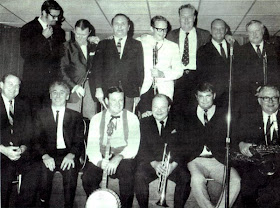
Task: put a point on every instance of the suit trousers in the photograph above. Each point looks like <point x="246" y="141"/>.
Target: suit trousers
<point x="145" y="174"/>
<point x="203" y="168"/>
<point x="69" y="182"/>
<point x="29" y="182"/>
<point x="92" y="177"/>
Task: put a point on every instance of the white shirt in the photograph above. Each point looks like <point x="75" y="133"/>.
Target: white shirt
<point x="273" y="120"/>
<point x="60" y="143"/>
<point x="169" y="62"/>
<point x="122" y="43"/>
<point x="217" y="46"/>
<point x="7" y="104"/>
<point x="84" y="50"/>
<point x="159" y="124"/>
<point x="256" y="48"/>
<point x="192" y="39"/>
<point x="117" y="138"/>
<point x="44" y="25"/>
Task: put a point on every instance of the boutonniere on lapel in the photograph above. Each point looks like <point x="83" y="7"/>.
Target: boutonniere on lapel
<point x="91" y="53"/>
<point x="173" y="131"/>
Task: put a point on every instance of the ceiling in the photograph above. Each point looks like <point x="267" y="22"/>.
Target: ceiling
<point x="100" y="12"/>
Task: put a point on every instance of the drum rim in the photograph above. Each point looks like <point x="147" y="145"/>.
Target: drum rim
<point x="111" y="192"/>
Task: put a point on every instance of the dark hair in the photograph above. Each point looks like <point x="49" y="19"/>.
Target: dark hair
<point x="51" y="4"/>
<point x="158" y="18"/>
<point x="205" y="87"/>
<point x="254" y="22"/>
<point x="59" y="83"/>
<point x="9" y="74"/>
<point x="187" y="6"/>
<point x="84" y="24"/>
<point x="169" y="101"/>
<point x="112" y="90"/>
<point x="120" y="14"/>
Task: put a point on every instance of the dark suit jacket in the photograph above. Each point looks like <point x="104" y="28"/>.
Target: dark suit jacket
<point x="203" y="36"/>
<point x="213" y="68"/>
<point x="110" y="70"/>
<point x="152" y="145"/>
<point x="249" y="73"/>
<point x="213" y="135"/>
<point x="22" y="127"/>
<point x="41" y="56"/>
<point x="45" y="132"/>
<point x="251" y="128"/>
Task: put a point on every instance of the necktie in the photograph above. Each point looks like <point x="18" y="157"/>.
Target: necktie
<point x="223" y="54"/>
<point x="205" y="117"/>
<point x="259" y="51"/>
<point x="155" y="54"/>
<point x="185" y="57"/>
<point x="119" y="47"/>
<point x="56" y="118"/>
<point x="11" y="113"/>
<point x="114" y="125"/>
<point x="161" y="127"/>
<point x="268" y="126"/>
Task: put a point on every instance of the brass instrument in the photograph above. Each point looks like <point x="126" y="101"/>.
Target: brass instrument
<point x="155" y="60"/>
<point x="162" y="185"/>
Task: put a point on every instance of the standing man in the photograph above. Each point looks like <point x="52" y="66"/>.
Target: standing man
<point x="58" y="142"/>
<point x="213" y="61"/>
<point x="76" y="65"/>
<point x="260" y="128"/>
<point x="119" y="62"/>
<point x="156" y="131"/>
<point x="124" y="144"/>
<point x="257" y="65"/>
<point x="15" y="134"/>
<point x="159" y="76"/>
<point x="206" y="132"/>
<point x="40" y="43"/>
<point x="189" y="38"/>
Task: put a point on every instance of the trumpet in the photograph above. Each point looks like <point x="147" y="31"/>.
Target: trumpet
<point x="162" y="184"/>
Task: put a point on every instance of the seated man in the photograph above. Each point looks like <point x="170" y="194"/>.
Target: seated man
<point x="58" y="142"/>
<point x="259" y="128"/>
<point x="124" y="143"/>
<point x="15" y="134"/>
<point x="156" y="131"/>
<point x="206" y="132"/>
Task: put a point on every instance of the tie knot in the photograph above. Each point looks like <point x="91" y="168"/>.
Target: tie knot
<point x="187" y="34"/>
<point x="11" y="102"/>
<point x="221" y="44"/>
<point x="120" y="39"/>
<point x="115" y="116"/>
<point x="258" y="46"/>
<point x="57" y="112"/>
<point x="205" y="110"/>
<point x="162" y="123"/>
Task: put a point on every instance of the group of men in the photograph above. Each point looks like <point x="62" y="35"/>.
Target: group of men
<point x="179" y="84"/>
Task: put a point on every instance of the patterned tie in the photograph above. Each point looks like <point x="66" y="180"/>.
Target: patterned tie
<point x="259" y="51"/>
<point x="161" y="127"/>
<point x="185" y="57"/>
<point x="114" y="125"/>
<point x="11" y="113"/>
<point x="119" y="47"/>
<point x="205" y="117"/>
<point x="268" y="126"/>
<point x="223" y="54"/>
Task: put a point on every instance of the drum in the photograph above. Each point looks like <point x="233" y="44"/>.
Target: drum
<point x="103" y="198"/>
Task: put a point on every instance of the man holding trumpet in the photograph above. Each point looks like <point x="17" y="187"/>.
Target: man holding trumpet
<point x="160" y="133"/>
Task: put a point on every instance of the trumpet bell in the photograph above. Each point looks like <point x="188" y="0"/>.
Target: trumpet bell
<point x="162" y="202"/>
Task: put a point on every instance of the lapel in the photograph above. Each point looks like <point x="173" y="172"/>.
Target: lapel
<point x="66" y="126"/>
<point x="4" y="115"/>
<point x="81" y="54"/>
<point x="176" y="36"/>
<point x="112" y="46"/>
<point x="127" y="48"/>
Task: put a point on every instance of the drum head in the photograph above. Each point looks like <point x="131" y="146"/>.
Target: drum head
<point x="103" y="198"/>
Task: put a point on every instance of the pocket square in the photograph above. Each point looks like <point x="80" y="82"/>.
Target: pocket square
<point x="92" y="53"/>
<point x="173" y="131"/>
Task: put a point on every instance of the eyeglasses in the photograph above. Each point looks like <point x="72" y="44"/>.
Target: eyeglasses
<point x="267" y="99"/>
<point x="56" y="93"/>
<point x="54" y="16"/>
<point x="160" y="29"/>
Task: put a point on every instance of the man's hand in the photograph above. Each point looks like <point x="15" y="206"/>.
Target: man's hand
<point x="159" y="168"/>
<point x="68" y="162"/>
<point x="79" y="90"/>
<point x="244" y="148"/>
<point x="103" y="164"/>
<point x="113" y="164"/>
<point x="229" y="39"/>
<point x="147" y="114"/>
<point x="12" y="152"/>
<point x="157" y="73"/>
<point x="99" y="95"/>
<point x="22" y="148"/>
<point x="93" y="39"/>
<point x="49" y="162"/>
<point x="47" y="32"/>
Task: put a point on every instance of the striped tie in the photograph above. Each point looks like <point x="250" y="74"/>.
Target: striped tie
<point x="119" y="47"/>
<point x="205" y="117"/>
<point x="11" y="113"/>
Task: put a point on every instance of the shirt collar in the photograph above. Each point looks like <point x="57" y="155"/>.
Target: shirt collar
<point x="218" y="44"/>
<point x="193" y="30"/>
<point x="60" y="109"/>
<point x="164" y="120"/>
<point x="255" y="45"/>
<point x="122" y="41"/>
<point x="44" y="25"/>
<point x="272" y="116"/>
<point x="6" y="100"/>
<point x="210" y="110"/>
